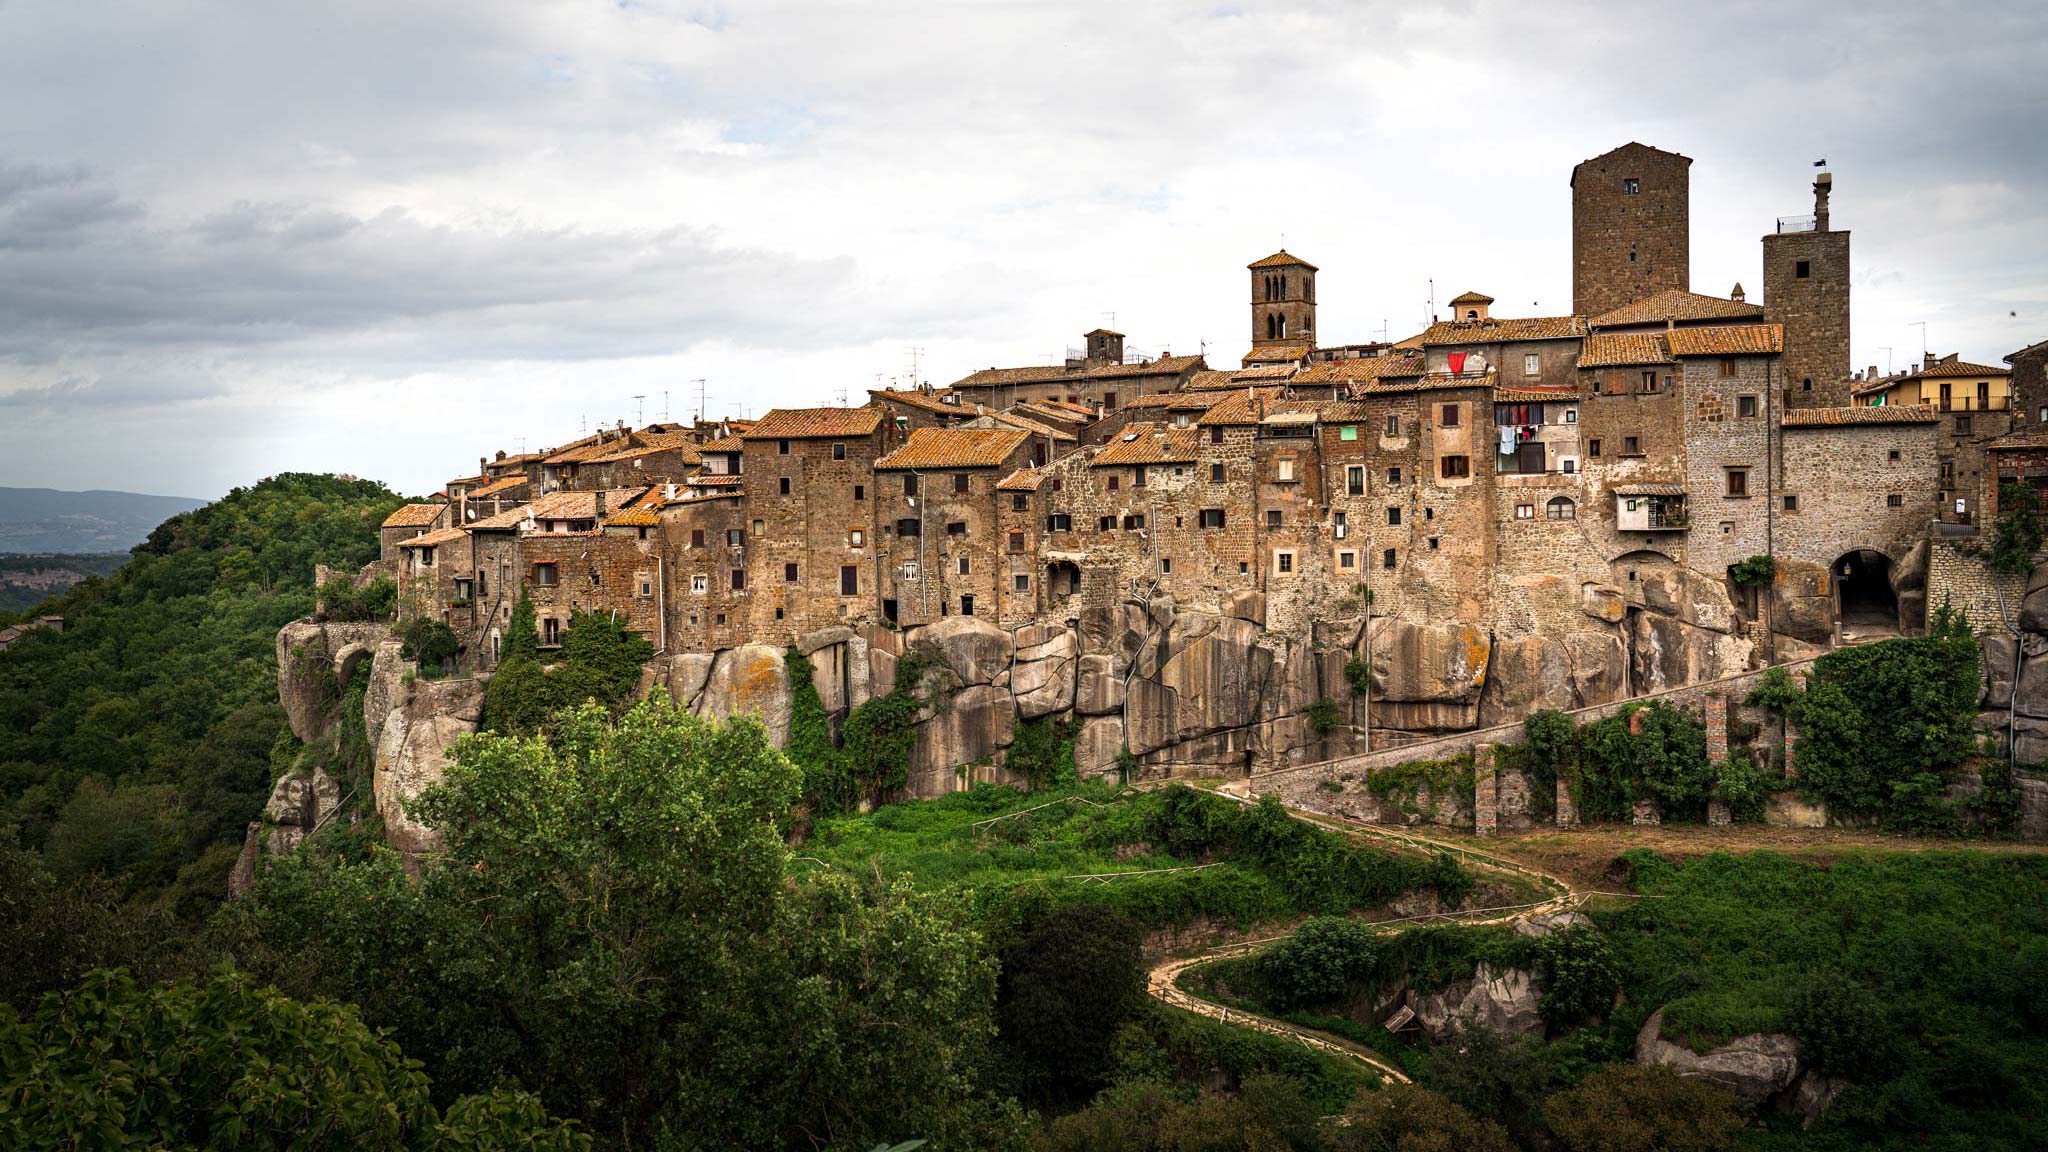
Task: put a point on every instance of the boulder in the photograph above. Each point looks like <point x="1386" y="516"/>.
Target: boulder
<point x="1755" y="1067"/>
<point x="1435" y="663"/>
<point x="1551" y="923"/>
<point x="1811" y="1095"/>
<point x="688" y="672"/>
<point x="298" y="805"/>
<point x="1043" y="680"/>
<point x="1505" y="1002"/>
<point x="1246" y="604"/>
<point x="975" y="649"/>
<point x="1603" y="602"/>
<point x="810" y="642"/>
<point x="2030" y="695"/>
<point x="1599" y="667"/>
<point x="1994" y="671"/>
<point x="387" y="689"/>
<point x="1526" y="673"/>
<point x="2034" y="603"/>
<point x="1803" y="601"/>
<point x="1213" y="682"/>
<point x="1096" y="746"/>
<point x="417" y="739"/>
<point x="839" y="670"/>
<point x="1099" y="686"/>
<point x="752" y="679"/>
<point x="966" y="729"/>
<point x="1670" y="653"/>
<point x="2033" y="818"/>
<point x="1698" y="599"/>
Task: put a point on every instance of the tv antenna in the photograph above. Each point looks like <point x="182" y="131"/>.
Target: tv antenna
<point x="664" y="405"/>
<point x="699" y="382"/>
<point x="639" y="409"/>
<point x="1922" y="326"/>
<point x="915" y="354"/>
<point x="1886" y="349"/>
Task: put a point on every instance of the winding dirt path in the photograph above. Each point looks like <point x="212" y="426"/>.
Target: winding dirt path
<point x="1162" y="982"/>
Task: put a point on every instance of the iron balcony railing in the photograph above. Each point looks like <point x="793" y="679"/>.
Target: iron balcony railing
<point x="1798" y="223"/>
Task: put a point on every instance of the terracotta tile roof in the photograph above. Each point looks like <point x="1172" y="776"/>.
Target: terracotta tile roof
<point x="1618" y="349"/>
<point x="1359" y="370"/>
<point x="432" y="539"/>
<point x="1147" y="443"/>
<point x="1955" y="368"/>
<point x="1247" y="407"/>
<point x="1268" y="371"/>
<point x="955" y="448"/>
<point x="1270" y="353"/>
<point x="713" y="480"/>
<point x="1412" y="343"/>
<point x="1509" y="394"/>
<point x="2032" y="436"/>
<point x="1879" y="384"/>
<point x="1031" y="426"/>
<point x="1743" y="340"/>
<point x="1061" y="416"/>
<point x="467" y="480"/>
<point x="724" y="444"/>
<point x="1022" y="480"/>
<point x="415" y="515"/>
<point x="501" y="485"/>
<point x="1046" y="374"/>
<point x="1281" y="259"/>
<point x="1500" y="330"/>
<point x="583" y="505"/>
<point x="633" y="518"/>
<point x="1680" y="305"/>
<point x="1081" y="410"/>
<point x="1436" y="382"/>
<point x="506" y="521"/>
<point x="1212" y="380"/>
<point x="1174" y="401"/>
<point x="933" y="402"/>
<point x="815" y="424"/>
<point x="1860" y="414"/>
<point x="513" y="461"/>
<point x="660" y="442"/>
<point x="1472" y="298"/>
<point x="1649" y="490"/>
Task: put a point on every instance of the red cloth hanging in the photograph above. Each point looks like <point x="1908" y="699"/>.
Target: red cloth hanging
<point x="1457" y="360"/>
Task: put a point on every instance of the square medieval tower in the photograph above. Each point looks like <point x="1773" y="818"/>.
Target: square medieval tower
<point x="1630" y="227"/>
<point x="1806" y="288"/>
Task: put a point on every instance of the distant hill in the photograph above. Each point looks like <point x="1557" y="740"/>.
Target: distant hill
<point x="47" y="520"/>
<point x="28" y="580"/>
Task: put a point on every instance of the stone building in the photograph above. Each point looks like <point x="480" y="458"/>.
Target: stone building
<point x="1975" y="403"/>
<point x="1806" y="292"/>
<point x="812" y="503"/>
<point x="1095" y="385"/>
<point x="1630" y="227"/>
<point x="703" y="545"/>
<point x="407" y="522"/>
<point x="2029" y="383"/>
<point x="939" y="553"/>
<point x="1283" y="305"/>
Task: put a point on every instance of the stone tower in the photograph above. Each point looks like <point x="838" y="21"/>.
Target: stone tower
<point x="1283" y="300"/>
<point x="1630" y="227"/>
<point x="1806" y="288"/>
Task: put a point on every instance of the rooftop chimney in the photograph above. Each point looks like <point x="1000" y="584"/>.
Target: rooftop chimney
<point x="600" y="503"/>
<point x="1822" y="185"/>
<point x="1735" y="294"/>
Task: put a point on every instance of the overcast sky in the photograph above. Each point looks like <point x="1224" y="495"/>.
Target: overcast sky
<point x="388" y="236"/>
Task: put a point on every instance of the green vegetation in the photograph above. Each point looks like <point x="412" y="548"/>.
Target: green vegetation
<point x="872" y="758"/>
<point x="2019" y="532"/>
<point x="136" y="744"/>
<point x="1324" y="715"/>
<point x="220" y="1063"/>
<point x="430" y="642"/>
<point x="1753" y="572"/>
<point x="342" y="600"/>
<point x="1042" y="752"/>
<point x="599" y="662"/>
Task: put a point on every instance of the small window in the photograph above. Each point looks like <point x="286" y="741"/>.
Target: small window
<point x="1895" y="500"/>
<point x="1447" y="416"/>
<point x="1023" y="582"/>
<point x="1393" y="426"/>
<point x="1561" y="508"/>
<point x="1347" y="561"/>
<point x="1016" y="544"/>
<point x="849" y="579"/>
<point x="1432" y="543"/>
<point x="1525" y="511"/>
<point x="1802" y="270"/>
<point x="596" y="578"/>
<point x="1212" y="518"/>
<point x="959" y="483"/>
<point x="1020" y="502"/>
<point x="1215" y="433"/>
<point x="1806" y="384"/>
<point x="956" y="528"/>
<point x="1285" y="470"/>
<point x="963" y="566"/>
<point x="696" y="537"/>
<point x="1283" y="562"/>
<point x="1138" y="476"/>
<point x="1272" y="518"/>
<point x="908" y="526"/>
<point x="1394" y="517"/>
<point x="910" y="483"/>
<point x="1115" y="481"/>
<point x="1215" y="473"/>
<point x="1649" y="381"/>
<point x="784" y="485"/>
<point x="1571" y="415"/>
<point x="1105" y="524"/>
<point x="1059" y="522"/>
<point x="1727" y="365"/>
<point x="1745" y="406"/>
<point x="1892" y="455"/>
<point x="700" y="584"/>
<point x="1631" y="446"/>
<point x="1456" y="467"/>
<point x="1387" y="558"/>
<point x="1738" y="482"/>
<point x="1348" y="432"/>
<point x="1532" y="364"/>
<point x="1631" y="186"/>
<point x="1393" y="475"/>
<point x="1166" y="565"/>
<point x="739" y="579"/>
<point x="1354" y="480"/>
<point x="736" y="537"/>
<point x="860" y="491"/>
<point x="839" y="451"/>
<point x="1134" y="523"/>
<point x="544" y="574"/>
<point x="782" y="447"/>
<point x="856" y="538"/>
<point x="1593" y="448"/>
<point x="1109" y="401"/>
<point x="1791" y="502"/>
<point x="789" y="573"/>
<point x="1963" y="425"/>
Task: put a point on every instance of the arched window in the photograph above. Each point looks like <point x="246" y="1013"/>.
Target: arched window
<point x="1562" y="508"/>
<point x="1282" y="326"/>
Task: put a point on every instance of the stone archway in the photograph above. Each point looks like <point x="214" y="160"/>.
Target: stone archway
<point x="348" y="660"/>
<point x="1865" y="602"/>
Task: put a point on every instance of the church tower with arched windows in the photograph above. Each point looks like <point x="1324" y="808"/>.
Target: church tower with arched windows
<point x="1283" y="300"/>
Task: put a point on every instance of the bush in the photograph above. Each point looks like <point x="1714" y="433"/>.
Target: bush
<point x="1755" y="571"/>
<point x="1630" y="1108"/>
<point x="1843" y="1028"/>
<point x="1323" y="715"/>
<point x="1042" y="751"/>
<point x="599" y="662"/>
<point x="1580" y="977"/>
<point x="342" y="600"/>
<point x="1358" y="671"/>
<point x="1742" y="786"/>
<point x="2019" y="531"/>
<point x="1407" y="1118"/>
<point x="1665" y="761"/>
<point x="1069" y="983"/>
<point x="430" y="642"/>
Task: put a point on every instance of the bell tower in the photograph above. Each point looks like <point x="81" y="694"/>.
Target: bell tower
<point x="1283" y="300"/>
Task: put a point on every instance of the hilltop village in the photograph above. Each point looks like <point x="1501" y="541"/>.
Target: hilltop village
<point x="1496" y="514"/>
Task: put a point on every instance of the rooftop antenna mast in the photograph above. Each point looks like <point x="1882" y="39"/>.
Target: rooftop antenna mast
<point x="664" y="405"/>
<point x="1432" y="302"/>
<point x="699" y="382"/>
<point x="1922" y="326"/>
<point x="1886" y="349"/>
<point x="915" y="354"/>
<point x="639" y="409"/>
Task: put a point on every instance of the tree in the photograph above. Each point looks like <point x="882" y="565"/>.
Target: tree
<point x="1580" y="977"/>
<point x="221" y="1063"/>
<point x="609" y="922"/>
<point x="1631" y="1108"/>
<point x="1409" y="1118"/>
<point x="1069" y="982"/>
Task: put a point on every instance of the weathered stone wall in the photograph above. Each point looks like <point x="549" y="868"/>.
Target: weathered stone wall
<point x="1726" y="528"/>
<point x="830" y="494"/>
<point x="1815" y="312"/>
<point x="1629" y="244"/>
<point x="1845" y="478"/>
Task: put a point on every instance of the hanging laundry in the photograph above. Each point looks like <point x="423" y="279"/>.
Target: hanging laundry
<point x="1507" y="440"/>
<point x="1457" y="362"/>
